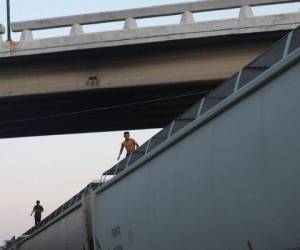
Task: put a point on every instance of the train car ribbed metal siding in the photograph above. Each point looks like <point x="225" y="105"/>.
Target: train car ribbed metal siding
<point x="233" y="180"/>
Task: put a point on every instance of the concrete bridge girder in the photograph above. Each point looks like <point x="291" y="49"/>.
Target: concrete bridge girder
<point x="198" y="64"/>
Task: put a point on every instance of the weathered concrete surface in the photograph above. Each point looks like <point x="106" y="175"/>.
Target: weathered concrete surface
<point x="220" y="28"/>
<point x="198" y="64"/>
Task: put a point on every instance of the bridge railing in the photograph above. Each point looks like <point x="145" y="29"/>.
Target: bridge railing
<point x="130" y="16"/>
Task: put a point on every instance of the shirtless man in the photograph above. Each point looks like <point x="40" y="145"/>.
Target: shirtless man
<point x="129" y="143"/>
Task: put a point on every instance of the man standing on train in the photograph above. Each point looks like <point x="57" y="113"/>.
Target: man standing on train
<point x="129" y="144"/>
<point x="37" y="210"/>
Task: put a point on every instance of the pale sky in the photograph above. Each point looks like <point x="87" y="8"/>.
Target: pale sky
<point x="54" y="168"/>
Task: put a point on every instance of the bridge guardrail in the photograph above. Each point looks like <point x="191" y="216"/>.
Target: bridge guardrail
<point x="130" y="16"/>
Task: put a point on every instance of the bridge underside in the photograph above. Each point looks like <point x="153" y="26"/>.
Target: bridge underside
<point x="97" y="110"/>
<point x="111" y="89"/>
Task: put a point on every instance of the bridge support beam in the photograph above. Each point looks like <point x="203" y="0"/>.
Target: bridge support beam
<point x="160" y="66"/>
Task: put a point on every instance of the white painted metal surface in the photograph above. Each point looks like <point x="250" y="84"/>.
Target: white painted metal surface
<point x="233" y="180"/>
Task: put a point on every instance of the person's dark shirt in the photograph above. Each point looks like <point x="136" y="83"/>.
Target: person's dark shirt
<point x="38" y="209"/>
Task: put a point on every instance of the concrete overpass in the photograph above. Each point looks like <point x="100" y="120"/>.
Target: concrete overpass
<point x="126" y="79"/>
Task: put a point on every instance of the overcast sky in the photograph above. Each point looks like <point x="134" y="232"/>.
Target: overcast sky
<point x="54" y="168"/>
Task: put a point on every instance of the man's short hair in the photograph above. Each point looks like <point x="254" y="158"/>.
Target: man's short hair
<point x="38" y="201"/>
<point x="126" y="133"/>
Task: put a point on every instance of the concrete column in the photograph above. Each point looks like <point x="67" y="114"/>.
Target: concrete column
<point x="1" y="40"/>
<point x="246" y="11"/>
<point x="26" y="36"/>
<point x="130" y="23"/>
<point x="187" y="17"/>
<point x="76" y="30"/>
